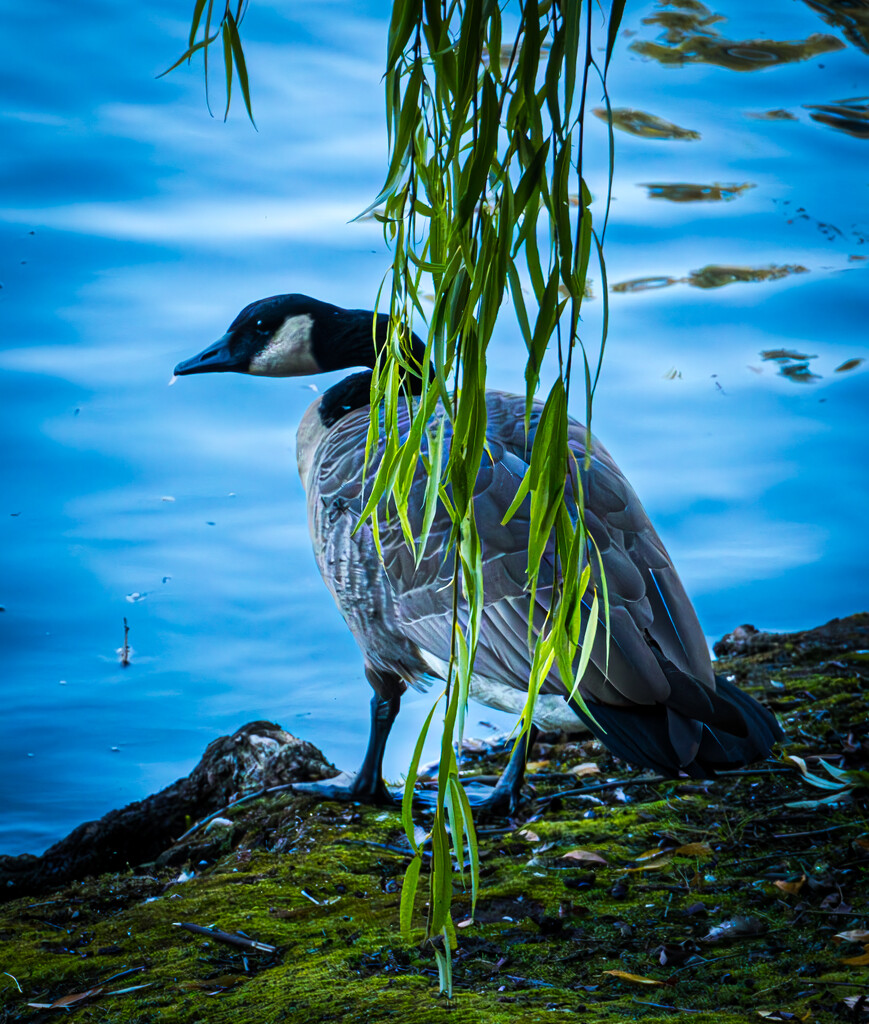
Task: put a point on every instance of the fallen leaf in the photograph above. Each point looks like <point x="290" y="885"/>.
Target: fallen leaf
<point x="859" y="961"/>
<point x="735" y="928"/>
<point x="855" y="935"/>
<point x="536" y="766"/>
<point x="64" y="1001"/>
<point x="583" y="857"/>
<point x="849" y="364"/>
<point x="466" y="923"/>
<point x="853" y="1002"/>
<point x="528" y="835"/>
<point x="661" y="861"/>
<point x="589" y="768"/>
<point x="634" y="979"/>
<point x="694" y="850"/>
<point x="791" y="888"/>
<point x="652" y="854"/>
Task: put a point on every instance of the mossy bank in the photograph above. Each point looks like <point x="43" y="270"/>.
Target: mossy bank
<point x="715" y="900"/>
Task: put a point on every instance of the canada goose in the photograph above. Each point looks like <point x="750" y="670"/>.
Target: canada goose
<point x="656" y="701"/>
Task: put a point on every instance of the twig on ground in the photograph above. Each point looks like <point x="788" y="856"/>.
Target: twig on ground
<point x="231" y="940"/>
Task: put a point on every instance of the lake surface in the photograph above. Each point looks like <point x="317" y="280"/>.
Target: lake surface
<point x="134" y="227"/>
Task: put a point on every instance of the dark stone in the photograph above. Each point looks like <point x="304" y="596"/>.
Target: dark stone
<point x="258" y="756"/>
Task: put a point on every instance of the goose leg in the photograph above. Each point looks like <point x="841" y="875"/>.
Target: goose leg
<point x="366" y="785"/>
<point x="507" y="794"/>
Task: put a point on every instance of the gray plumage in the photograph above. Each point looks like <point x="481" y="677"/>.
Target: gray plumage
<point x="654" y="696"/>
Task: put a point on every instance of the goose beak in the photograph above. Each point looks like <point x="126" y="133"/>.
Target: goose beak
<point x="216" y="358"/>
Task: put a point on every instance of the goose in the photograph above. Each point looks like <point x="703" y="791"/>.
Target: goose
<point x="654" y="697"/>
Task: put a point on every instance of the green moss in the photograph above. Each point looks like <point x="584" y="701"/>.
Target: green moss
<point x="306" y="879"/>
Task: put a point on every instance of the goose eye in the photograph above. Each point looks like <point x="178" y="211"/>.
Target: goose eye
<point x="261" y="328"/>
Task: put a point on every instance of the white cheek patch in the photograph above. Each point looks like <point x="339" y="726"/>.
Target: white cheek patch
<point x="288" y="352"/>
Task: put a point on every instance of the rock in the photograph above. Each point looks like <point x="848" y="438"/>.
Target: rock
<point x="258" y="756"/>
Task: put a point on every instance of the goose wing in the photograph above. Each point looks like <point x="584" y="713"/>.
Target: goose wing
<point x="657" y="666"/>
<point x="646" y="595"/>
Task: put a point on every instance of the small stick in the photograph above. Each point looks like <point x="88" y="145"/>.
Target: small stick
<point x="232" y="940"/>
<point x="125" y="650"/>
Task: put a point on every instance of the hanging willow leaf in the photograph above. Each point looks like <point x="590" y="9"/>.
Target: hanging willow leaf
<point x="478" y="201"/>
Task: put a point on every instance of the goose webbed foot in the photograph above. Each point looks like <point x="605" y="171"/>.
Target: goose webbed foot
<point x="505" y="800"/>
<point x="365" y="786"/>
<point x="349" y="787"/>
<point x="501" y="801"/>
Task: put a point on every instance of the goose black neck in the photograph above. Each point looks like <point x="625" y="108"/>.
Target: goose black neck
<point x="345" y="339"/>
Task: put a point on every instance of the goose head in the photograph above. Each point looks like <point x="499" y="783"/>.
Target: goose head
<point x="295" y="336"/>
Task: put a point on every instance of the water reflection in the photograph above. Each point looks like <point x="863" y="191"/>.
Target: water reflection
<point x="688" y="37"/>
<point x="712" y="276"/>
<point x="771" y="115"/>
<point x="154" y="225"/>
<point x="851" y="116"/>
<point x="683" y="193"/>
<point x="647" y="126"/>
<point x="851" y="16"/>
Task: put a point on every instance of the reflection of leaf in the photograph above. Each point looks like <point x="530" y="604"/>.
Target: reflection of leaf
<point x="849" y="364"/>
<point x="781" y="355"/>
<point x="689" y="38"/>
<point x="647" y="126"/>
<point x="685" y="193"/>
<point x="644" y="284"/>
<point x="852" y="18"/>
<point x="716" y="276"/>
<point x="772" y="115"/>
<point x="850" y="116"/>
<point x="747" y="55"/>
<point x="634" y="979"/>
<point x="799" y="373"/>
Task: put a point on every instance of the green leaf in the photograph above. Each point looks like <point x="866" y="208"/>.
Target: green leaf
<point x="408" y="894"/>
<point x="198" y="8"/>
<point x="227" y="63"/>
<point x="616" y="12"/>
<point x="240" y="66"/>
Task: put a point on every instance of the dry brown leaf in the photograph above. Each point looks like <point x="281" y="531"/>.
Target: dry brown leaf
<point x="855" y="935"/>
<point x="528" y="835"/>
<point x="634" y="979"/>
<point x="859" y="961"/>
<point x="466" y="923"/>
<point x="64" y="1001"/>
<point x="537" y="766"/>
<point x="661" y="861"/>
<point x="589" y="768"/>
<point x="584" y="857"/>
<point x="791" y="888"/>
<point x="694" y="850"/>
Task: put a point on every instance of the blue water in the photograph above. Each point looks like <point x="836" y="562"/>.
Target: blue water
<point x="134" y="227"/>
